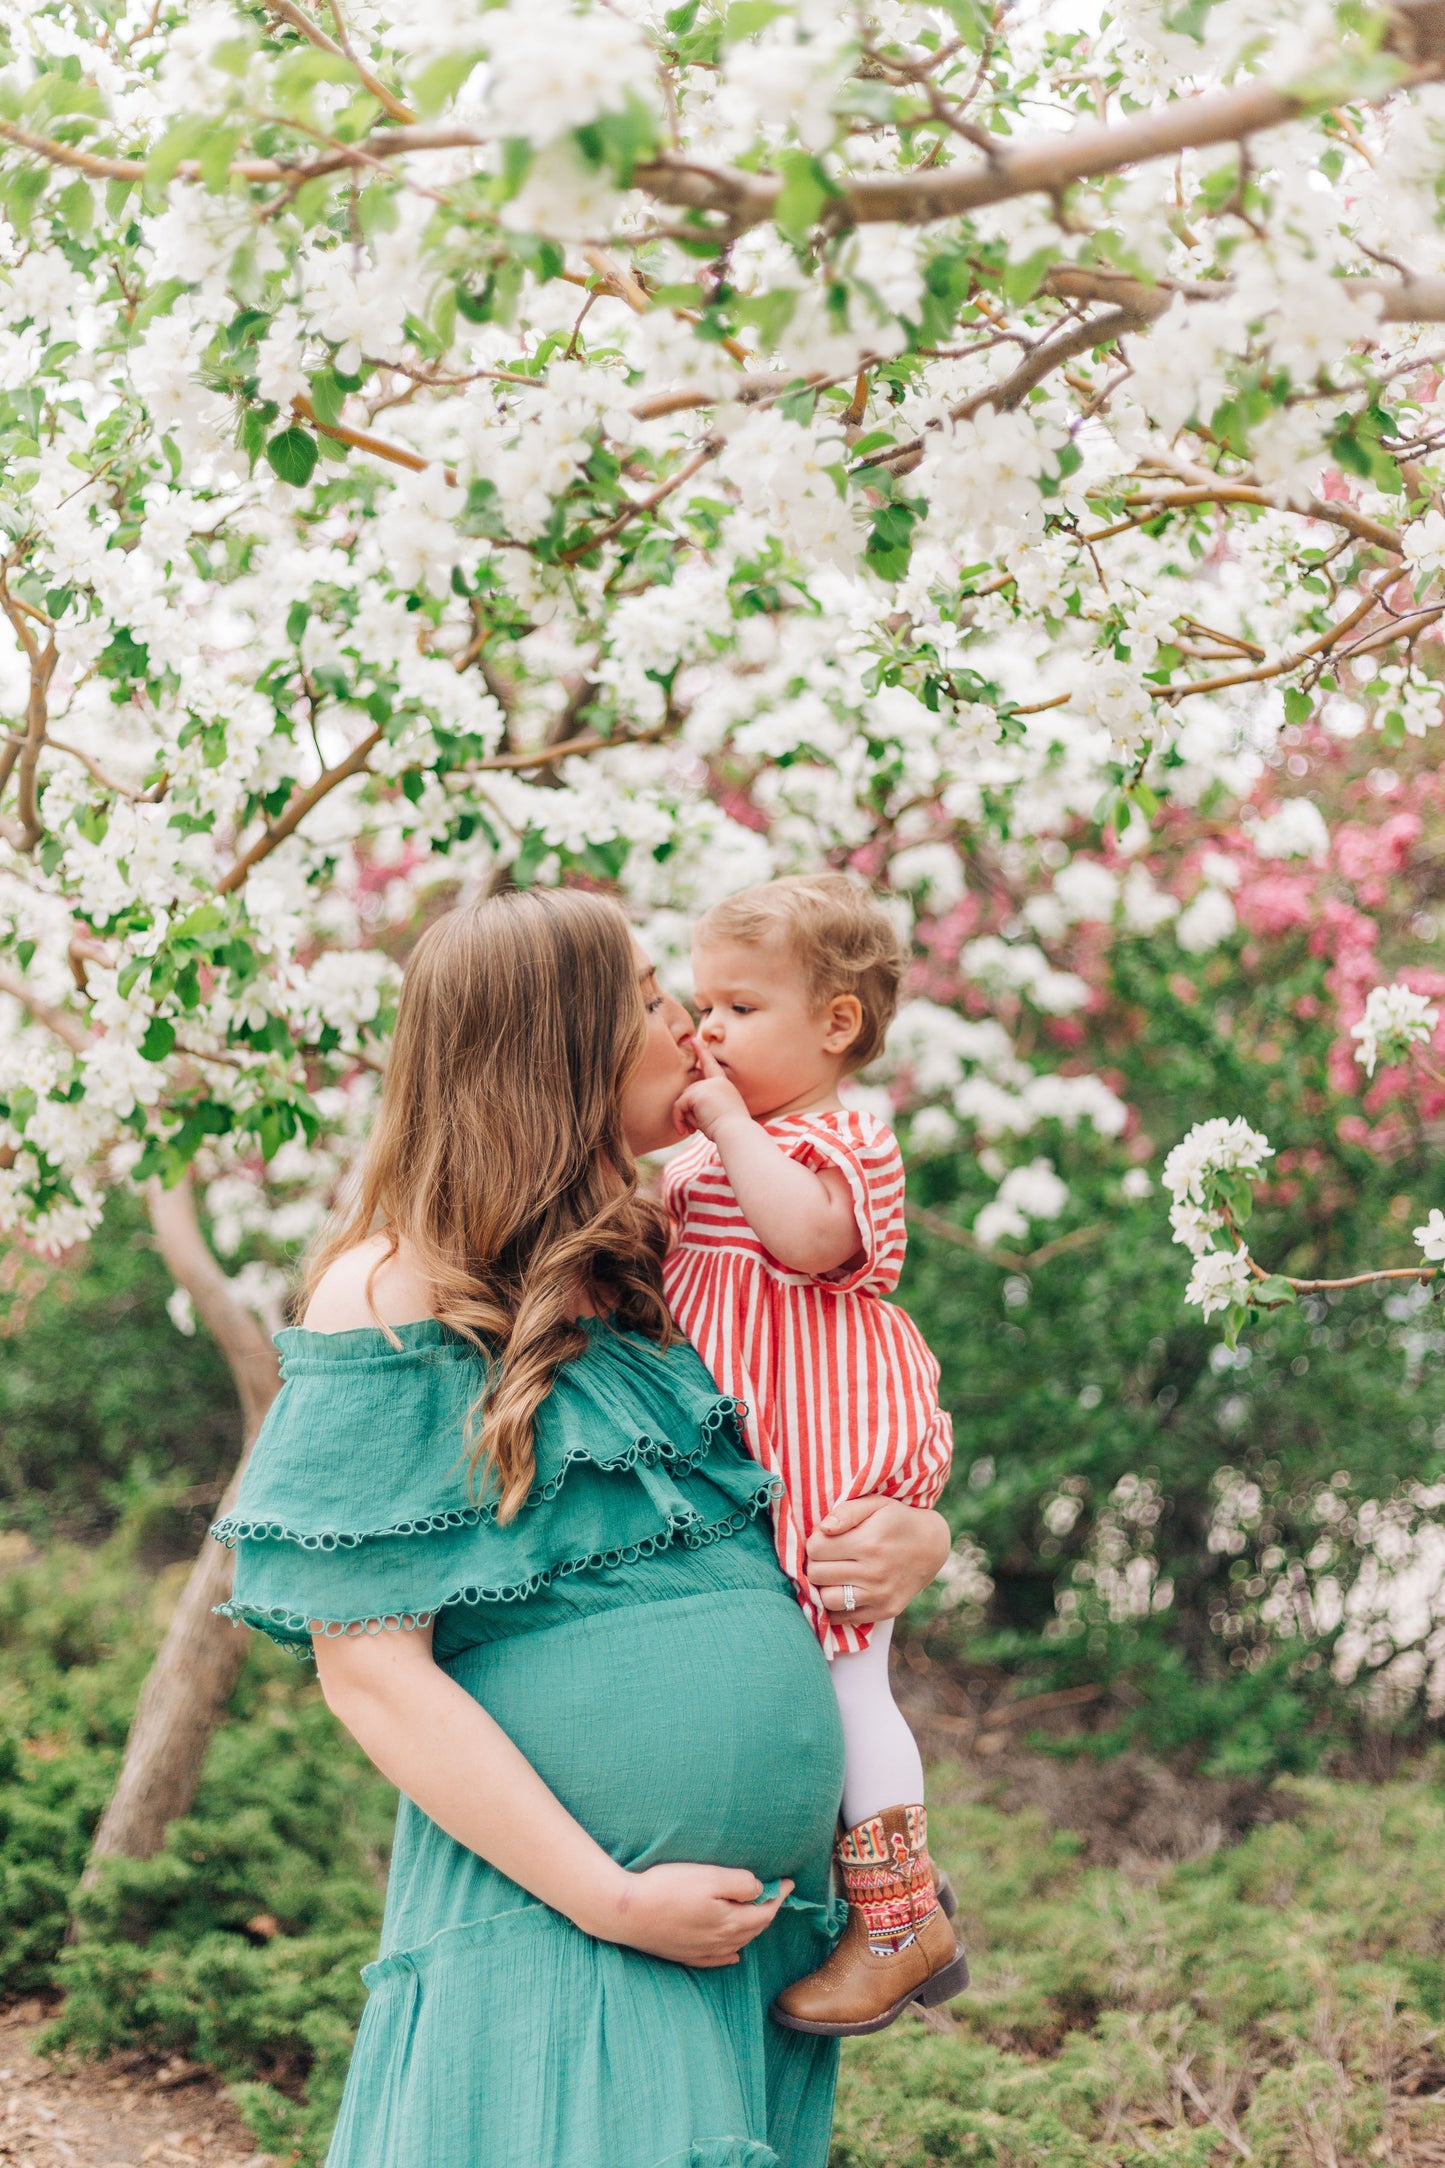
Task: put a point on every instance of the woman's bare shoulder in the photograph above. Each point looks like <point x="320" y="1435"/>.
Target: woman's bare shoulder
<point x="342" y="1300"/>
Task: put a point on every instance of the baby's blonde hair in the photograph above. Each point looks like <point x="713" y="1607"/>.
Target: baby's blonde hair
<point x="841" y="937"/>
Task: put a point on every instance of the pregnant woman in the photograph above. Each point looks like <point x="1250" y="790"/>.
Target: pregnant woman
<point x="507" y="1508"/>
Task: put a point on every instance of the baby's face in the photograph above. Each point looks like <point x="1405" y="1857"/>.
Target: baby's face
<point x="755" y="1019"/>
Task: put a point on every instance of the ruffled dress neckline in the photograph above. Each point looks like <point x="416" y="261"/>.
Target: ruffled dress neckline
<point x="364" y="1453"/>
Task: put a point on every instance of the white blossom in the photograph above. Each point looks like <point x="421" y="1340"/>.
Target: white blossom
<point x="1205" y="922"/>
<point x="1295" y="829"/>
<point x="1217" y="1146"/>
<point x="1219" y="1280"/>
<point x="1395" y="1019"/>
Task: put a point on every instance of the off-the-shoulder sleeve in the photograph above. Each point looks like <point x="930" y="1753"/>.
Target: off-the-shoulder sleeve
<point x="865" y="1152"/>
<point x="358" y="1512"/>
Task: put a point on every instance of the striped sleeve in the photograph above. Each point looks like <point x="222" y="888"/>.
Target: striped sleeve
<point x="865" y="1152"/>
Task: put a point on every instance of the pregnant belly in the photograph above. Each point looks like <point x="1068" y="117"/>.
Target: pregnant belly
<point x="700" y="1728"/>
<point x="697" y="1728"/>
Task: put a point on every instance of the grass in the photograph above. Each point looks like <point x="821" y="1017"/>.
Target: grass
<point x="1278" y="2002"/>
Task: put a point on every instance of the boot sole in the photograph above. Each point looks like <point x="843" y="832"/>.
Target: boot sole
<point x="944" y="1985"/>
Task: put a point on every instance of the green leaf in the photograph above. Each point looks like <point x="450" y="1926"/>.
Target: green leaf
<point x="300" y="70"/>
<point x="156" y="303"/>
<point x="805" y="190"/>
<point x="293" y="455"/>
<point x="1298" y="706"/>
<point x="440" y="80"/>
<point x="77" y="208"/>
<point x="972" y="21"/>
<point x="297" y="619"/>
<point x="214" y="156"/>
<point x="617" y="141"/>
<point x="890" y="543"/>
<point x="745" y="18"/>
<point x="160" y="1037"/>
<point x="1021" y="281"/>
<point x="1349" y="80"/>
<point x="181" y="141"/>
<point x="251" y="435"/>
<point x="1189" y="21"/>
<point x="22" y="192"/>
<point x="327" y="396"/>
<point x="770" y="312"/>
<point x="1274" y="1289"/>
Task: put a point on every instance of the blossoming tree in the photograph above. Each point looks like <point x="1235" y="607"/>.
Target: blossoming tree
<point x="444" y="446"/>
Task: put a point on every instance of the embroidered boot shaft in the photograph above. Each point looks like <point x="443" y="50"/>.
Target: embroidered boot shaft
<point x="897" y="1947"/>
<point x="888" y="1875"/>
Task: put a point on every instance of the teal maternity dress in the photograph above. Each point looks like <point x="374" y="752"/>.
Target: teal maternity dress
<point x="632" y="1632"/>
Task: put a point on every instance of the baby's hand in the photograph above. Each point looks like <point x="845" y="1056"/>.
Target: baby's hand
<point x="703" y="1106"/>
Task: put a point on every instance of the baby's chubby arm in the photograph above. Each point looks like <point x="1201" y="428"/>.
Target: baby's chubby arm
<point x="804" y="1218"/>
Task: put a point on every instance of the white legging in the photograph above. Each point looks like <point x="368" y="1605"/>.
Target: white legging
<point x="883" y="1767"/>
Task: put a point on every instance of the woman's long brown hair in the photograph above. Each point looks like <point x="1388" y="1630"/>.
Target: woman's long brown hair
<point x="499" y="1156"/>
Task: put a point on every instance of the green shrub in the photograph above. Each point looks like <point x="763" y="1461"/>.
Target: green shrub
<point x="240" y="1944"/>
<point x="104" y="1405"/>
<point x="1101" y="1425"/>
<point x="1296" y="1979"/>
<point x="1290" y="1988"/>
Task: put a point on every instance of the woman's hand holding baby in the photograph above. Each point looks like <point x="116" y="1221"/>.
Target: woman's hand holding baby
<point x="886" y="1552"/>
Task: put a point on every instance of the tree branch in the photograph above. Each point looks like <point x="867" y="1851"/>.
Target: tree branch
<point x="92" y="767"/>
<point x="685" y="473"/>
<point x="190" y="1681"/>
<point x="1411" y="300"/>
<point x="299" y="20"/>
<point x="60" y="1022"/>
<point x="361" y="440"/>
<point x="934" y="1223"/>
<point x="1266" y="670"/>
<point x="290" y="820"/>
<point x="41" y="658"/>
<point x="1048" y="165"/>
<point x="1051" y="354"/>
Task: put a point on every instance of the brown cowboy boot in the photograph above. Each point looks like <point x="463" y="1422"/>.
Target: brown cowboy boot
<point x="897" y="1947"/>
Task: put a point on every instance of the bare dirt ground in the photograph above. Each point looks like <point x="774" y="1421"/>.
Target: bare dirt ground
<point x="116" y="2114"/>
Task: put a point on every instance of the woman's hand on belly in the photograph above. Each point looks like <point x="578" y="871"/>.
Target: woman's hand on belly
<point x="700" y="1916"/>
<point x="451" y="1758"/>
<point x="885" y="1551"/>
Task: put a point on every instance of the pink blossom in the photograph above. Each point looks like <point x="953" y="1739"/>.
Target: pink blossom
<point x="945" y="936"/>
<point x="739" y="807"/>
<point x="1275" y="902"/>
<point x="1367" y="856"/>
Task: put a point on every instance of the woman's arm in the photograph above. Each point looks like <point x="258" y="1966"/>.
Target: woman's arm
<point x="443" y="1750"/>
<point x="888" y="1552"/>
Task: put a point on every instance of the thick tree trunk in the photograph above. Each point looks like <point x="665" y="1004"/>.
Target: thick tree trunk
<point x="196" y="1666"/>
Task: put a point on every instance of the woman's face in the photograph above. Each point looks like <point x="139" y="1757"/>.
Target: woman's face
<point x="667" y="1065"/>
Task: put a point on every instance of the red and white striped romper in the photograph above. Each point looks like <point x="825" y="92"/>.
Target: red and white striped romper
<point x="841" y="1389"/>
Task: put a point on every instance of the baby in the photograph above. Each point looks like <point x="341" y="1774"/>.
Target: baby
<point x="788" y="1219"/>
